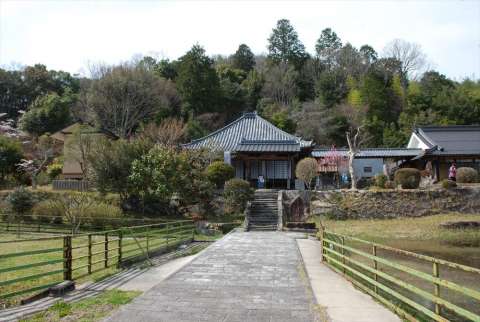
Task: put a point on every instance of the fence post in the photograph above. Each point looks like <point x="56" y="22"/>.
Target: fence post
<point x="147" y="233"/>
<point x="106" y="250"/>
<point x="436" y="287"/>
<point x="120" y="237"/>
<point x="375" y="266"/>
<point x="168" y="231"/>
<point x="343" y="254"/>
<point x="193" y="232"/>
<point x="89" y="254"/>
<point x="322" y="243"/>
<point x="67" y="258"/>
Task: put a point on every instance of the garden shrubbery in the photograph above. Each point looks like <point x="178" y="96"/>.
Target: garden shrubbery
<point x="237" y="193"/>
<point x="47" y="212"/>
<point x="448" y="184"/>
<point x="219" y="172"/>
<point x="467" y="175"/>
<point x="390" y="185"/>
<point x="407" y="178"/>
<point x="101" y="215"/>
<point x="21" y="202"/>
<point x="380" y="180"/>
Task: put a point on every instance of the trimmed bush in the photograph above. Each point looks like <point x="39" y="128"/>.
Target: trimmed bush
<point x="237" y="193"/>
<point x="380" y="180"/>
<point x="219" y="172"/>
<point x="467" y="175"/>
<point x="407" y="178"/>
<point x="448" y="184"/>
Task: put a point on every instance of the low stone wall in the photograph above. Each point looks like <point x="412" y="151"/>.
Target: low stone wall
<point x="395" y="203"/>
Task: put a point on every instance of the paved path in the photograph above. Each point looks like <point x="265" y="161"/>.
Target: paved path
<point x="342" y="302"/>
<point x="254" y="276"/>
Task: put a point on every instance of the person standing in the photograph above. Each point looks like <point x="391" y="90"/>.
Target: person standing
<point x="452" y="172"/>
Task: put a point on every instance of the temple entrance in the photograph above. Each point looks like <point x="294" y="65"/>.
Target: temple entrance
<point x="277" y="173"/>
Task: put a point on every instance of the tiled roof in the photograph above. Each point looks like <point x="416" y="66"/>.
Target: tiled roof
<point x="371" y="152"/>
<point x="451" y="140"/>
<point x="250" y="133"/>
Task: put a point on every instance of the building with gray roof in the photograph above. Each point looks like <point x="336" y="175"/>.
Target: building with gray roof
<point x="444" y="145"/>
<point x="257" y="148"/>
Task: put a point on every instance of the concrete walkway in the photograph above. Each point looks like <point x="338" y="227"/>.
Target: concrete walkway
<point x="343" y="303"/>
<point x="254" y="276"/>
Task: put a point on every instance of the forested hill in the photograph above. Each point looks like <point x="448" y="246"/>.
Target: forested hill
<point x="316" y="95"/>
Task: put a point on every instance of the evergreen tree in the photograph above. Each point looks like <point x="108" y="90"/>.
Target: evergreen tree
<point x="243" y="58"/>
<point x="197" y="82"/>
<point x="284" y="45"/>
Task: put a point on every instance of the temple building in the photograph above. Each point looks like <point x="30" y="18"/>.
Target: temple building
<point x="256" y="148"/>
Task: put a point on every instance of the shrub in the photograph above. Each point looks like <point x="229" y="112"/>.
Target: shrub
<point x="54" y="170"/>
<point x="21" y="201"/>
<point x="10" y="155"/>
<point x="467" y="175"/>
<point x="100" y="215"/>
<point x="408" y="178"/>
<point x="381" y="180"/>
<point x="219" y="172"/>
<point x="237" y="193"/>
<point x="47" y="212"/>
<point x="365" y="183"/>
<point x="43" y="179"/>
<point x="307" y="170"/>
<point x="390" y="185"/>
<point x="448" y="184"/>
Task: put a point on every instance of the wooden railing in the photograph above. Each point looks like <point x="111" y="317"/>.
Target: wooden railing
<point x="59" y="224"/>
<point x="389" y="279"/>
<point x="31" y="265"/>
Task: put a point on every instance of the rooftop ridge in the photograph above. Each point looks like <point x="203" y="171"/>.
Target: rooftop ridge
<point x="450" y="127"/>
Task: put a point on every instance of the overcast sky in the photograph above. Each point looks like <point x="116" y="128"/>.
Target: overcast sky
<point x="68" y="34"/>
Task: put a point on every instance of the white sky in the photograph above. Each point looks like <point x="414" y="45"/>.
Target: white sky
<point x="69" y="34"/>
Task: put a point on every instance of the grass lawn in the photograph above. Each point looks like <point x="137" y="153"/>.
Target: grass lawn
<point x="130" y="248"/>
<point x="92" y="309"/>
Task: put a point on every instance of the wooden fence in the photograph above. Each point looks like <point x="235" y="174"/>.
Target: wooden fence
<point x="390" y="280"/>
<point x="27" y="266"/>
<point x="77" y="185"/>
<point x="59" y="224"/>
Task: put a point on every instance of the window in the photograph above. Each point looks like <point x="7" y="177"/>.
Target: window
<point x="367" y="169"/>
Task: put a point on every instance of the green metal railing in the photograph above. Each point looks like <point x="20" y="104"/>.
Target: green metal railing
<point x="388" y="284"/>
<point x="31" y="265"/>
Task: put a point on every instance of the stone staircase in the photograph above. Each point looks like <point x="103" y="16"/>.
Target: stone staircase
<point x="263" y="213"/>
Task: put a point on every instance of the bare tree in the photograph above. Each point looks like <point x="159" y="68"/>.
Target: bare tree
<point x="75" y="207"/>
<point x="123" y="96"/>
<point x="356" y="136"/>
<point x="169" y="132"/>
<point x="280" y="83"/>
<point x="413" y="59"/>
<point x="354" y="142"/>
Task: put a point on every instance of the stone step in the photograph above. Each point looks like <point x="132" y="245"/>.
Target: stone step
<point x="262" y="228"/>
<point x="264" y="217"/>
